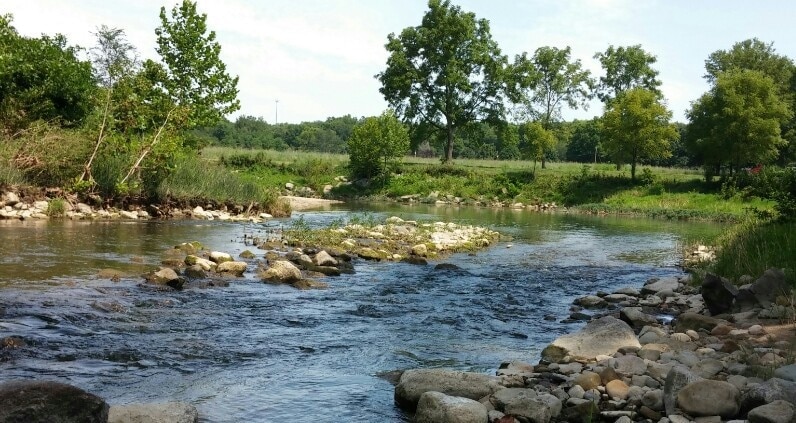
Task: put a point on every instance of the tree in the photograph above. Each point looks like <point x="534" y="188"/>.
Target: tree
<point x="192" y="82"/>
<point x="549" y="81"/>
<point x="195" y="76"/>
<point x="538" y="141"/>
<point x="113" y="59"/>
<point x="738" y="121"/>
<point x="584" y="143"/>
<point x="41" y="78"/>
<point x="447" y="72"/>
<point x="636" y="127"/>
<point x="377" y="144"/>
<point x="626" y="68"/>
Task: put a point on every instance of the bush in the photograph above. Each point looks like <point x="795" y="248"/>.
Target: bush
<point x="56" y="207"/>
<point x="376" y="145"/>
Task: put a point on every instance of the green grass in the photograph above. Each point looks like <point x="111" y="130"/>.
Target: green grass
<point x="56" y="207"/>
<point x="754" y="246"/>
<point x="664" y="192"/>
<point x="195" y="180"/>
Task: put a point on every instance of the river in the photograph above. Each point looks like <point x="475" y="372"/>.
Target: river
<point x="264" y="353"/>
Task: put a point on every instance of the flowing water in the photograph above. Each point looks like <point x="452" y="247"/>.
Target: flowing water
<point x="256" y="352"/>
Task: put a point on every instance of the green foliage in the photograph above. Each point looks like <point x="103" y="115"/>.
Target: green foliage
<point x="636" y="127"/>
<point x="737" y="122"/>
<point x="445" y="73"/>
<point x="584" y="142"/>
<point x="752" y="54"/>
<point x="56" y="207"/>
<point x="41" y="79"/>
<point x="194" y="75"/>
<point x="376" y="145"/>
<point x="626" y="68"/>
<point x="538" y="141"/>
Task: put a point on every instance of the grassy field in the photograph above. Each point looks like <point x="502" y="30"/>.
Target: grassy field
<point x="667" y="192"/>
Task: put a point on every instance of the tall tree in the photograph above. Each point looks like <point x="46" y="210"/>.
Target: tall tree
<point x="113" y="58"/>
<point x="636" y="127"/>
<point x="548" y="82"/>
<point x="738" y="121"/>
<point x="538" y="141"/>
<point x="626" y="68"/>
<point x="196" y="78"/>
<point x="447" y="72"/>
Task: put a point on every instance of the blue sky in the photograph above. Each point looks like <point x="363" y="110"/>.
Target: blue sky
<point x="318" y="57"/>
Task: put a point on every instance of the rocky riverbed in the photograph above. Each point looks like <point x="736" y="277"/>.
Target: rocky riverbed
<point x="668" y="352"/>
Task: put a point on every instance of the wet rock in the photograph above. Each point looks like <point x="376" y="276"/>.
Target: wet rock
<point x="590" y="301"/>
<point x="248" y="255"/>
<point x="709" y="398"/>
<point x="236" y="268"/>
<point x="49" y="402"/>
<point x="718" y="293"/>
<point x="415" y="382"/>
<point x="163" y="276"/>
<point x="206" y="264"/>
<point x="436" y="407"/>
<point x="219" y="257"/>
<point x="324" y="259"/>
<point x="603" y="336"/>
<point x="446" y="266"/>
<point x="195" y="272"/>
<point x="778" y="411"/>
<point x="170" y="412"/>
<point x="368" y="253"/>
<point x="636" y="318"/>
<point x="12" y="342"/>
<point x="309" y="284"/>
<point x="416" y="260"/>
<point x="325" y="270"/>
<point x="281" y="271"/>
<point x="769" y="286"/>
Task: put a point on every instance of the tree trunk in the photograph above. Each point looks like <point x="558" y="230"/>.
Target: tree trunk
<point x="449" y="144"/>
<point x="87" y="167"/>
<point x="543" y="162"/>
<point x="148" y="148"/>
<point x="633" y="171"/>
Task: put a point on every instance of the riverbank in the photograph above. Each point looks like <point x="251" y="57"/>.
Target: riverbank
<point x="725" y="355"/>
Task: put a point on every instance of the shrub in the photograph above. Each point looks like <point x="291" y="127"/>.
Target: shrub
<point x="376" y="145"/>
<point x="56" y="207"/>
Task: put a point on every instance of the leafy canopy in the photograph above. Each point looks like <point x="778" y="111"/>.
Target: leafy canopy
<point x="636" y="127"/>
<point x="737" y="122"/>
<point x="445" y="73"/>
<point x="626" y="68"/>
<point x="376" y="145"/>
<point x="194" y="75"/>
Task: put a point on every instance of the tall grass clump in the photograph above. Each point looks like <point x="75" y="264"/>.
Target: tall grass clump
<point x="56" y="207"/>
<point x="196" y="180"/>
<point x="754" y="246"/>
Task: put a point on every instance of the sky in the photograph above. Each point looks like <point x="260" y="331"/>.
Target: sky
<point x="306" y="60"/>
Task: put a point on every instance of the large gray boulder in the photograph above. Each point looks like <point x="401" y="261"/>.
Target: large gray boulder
<point x="168" y="412"/>
<point x="282" y="271"/>
<point x="655" y="285"/>
<point x="526" y="404"/>
<point x="237" y="268"/>
<point x="786" y="372"/>
<point x="767" y="392"/>
<point x="635" y="317"/>
<point x="604" y="336"/>
<point x="710" y="398"/>
<point x="414" y="383"/>
<point x="32" y="401"/>
<point x="324" y="259"/>
<point x="769" y="286"/>
<point x="719" y="294"/>
<point x="436" y="407"/>
<point x="778" y="411"/>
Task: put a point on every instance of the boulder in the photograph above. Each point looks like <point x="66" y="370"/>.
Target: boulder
<point x="169" y="412"/>
<point x="718" y="293"/>
<point x="527" y="404"/>
<point x="368" y="253"/>
<point x="710" y="398"/>
<point x="629" y="365"/>
<point x="163" y="276"/>
<point x="414" y="383"/>
<point x="778" y="411"/>
<point x="236" y="268"/>
<point x="324" y="259"/>
<point x="617" y="389"/>
<point x="655" y="285"/>
<point x="282" y="271"/>
<point x="767" y="392"/>
<point x="677" y="378"/>
<point x="204" y="263"/>
<point x="786" y="372"/>
<point x="515" y="368"/>
<point x="248" y="255"/>
<point x="195" y="272"/>
<point x="769" y="286"/>
<point x="694" y="321"/>
<point x="219" y="257"/>
<point x="436" y="407"/>
<point x="420" y="250"/>
<point x="603" y="336"/>
<point x="32" y="401"/>
<point x="636" y="318"/>
<point x="588" y="380"/>
<point x="590" y="301"/>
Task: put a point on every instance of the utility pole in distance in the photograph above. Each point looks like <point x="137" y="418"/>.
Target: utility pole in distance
<point x="276" y="113"/>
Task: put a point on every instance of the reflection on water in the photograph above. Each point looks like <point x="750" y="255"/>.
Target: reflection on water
<point x="257" y="352"/>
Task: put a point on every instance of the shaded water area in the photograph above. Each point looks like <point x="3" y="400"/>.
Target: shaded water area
<point x="258" y="352"/>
